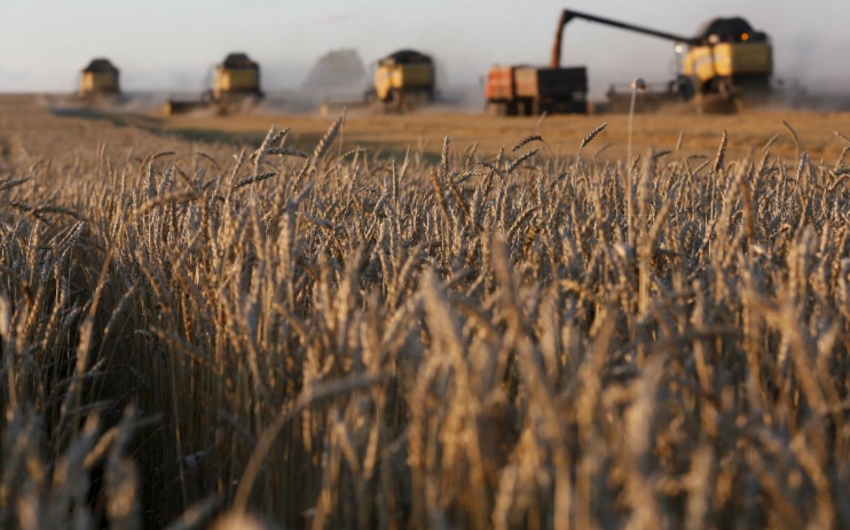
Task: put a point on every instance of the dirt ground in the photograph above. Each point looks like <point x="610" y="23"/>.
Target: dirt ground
<point x="393" y="133"/>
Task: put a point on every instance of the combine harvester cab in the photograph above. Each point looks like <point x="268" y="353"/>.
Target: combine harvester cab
<point x="99" y="82"/>
<point x="236" y="87"/>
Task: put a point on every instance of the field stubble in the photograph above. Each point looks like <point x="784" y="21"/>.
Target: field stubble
<point x="331" y="339"/>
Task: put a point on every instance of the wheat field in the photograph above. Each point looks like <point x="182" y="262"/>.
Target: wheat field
<point x="267" y="336"/>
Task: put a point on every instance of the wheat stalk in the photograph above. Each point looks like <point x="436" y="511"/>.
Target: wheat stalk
<point x="591" y="136"/>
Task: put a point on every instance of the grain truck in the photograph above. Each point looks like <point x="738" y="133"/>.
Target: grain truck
<point x="522" y="90"/>
<point x="529" y="90"/>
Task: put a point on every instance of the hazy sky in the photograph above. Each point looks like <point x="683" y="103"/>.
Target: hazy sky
<point x="171" y="44"/>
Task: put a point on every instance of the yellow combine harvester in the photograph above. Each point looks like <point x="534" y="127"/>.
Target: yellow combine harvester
<point x="238" y="77"/>
<point x="236" y="86"/>
<point x="98" y="79"/>
<point x="404" y="80"/>
<point x="726" y="63"/>
<point x="731" y="59"/>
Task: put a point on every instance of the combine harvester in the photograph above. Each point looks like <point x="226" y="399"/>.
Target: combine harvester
<point x="99" y="83"/>
<point x="236" y="87"/>
<point x="404" y="81"/>
<point x="726" y="66"/>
